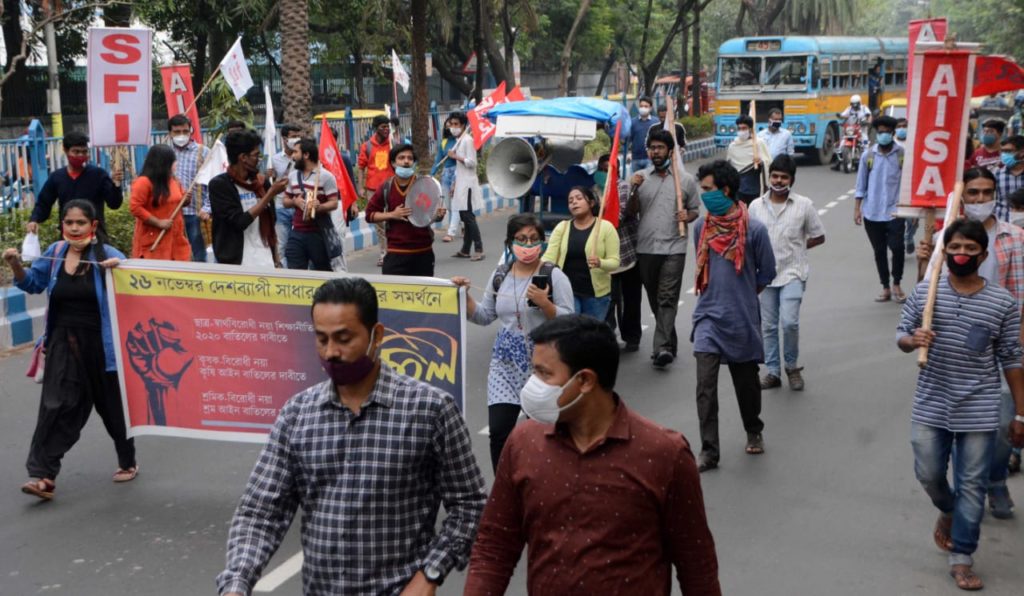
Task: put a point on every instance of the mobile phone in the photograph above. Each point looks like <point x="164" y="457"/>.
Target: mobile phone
<point x="541" y="281"/>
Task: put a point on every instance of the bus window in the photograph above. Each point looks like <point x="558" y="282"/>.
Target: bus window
<point x="741" y="72"/>
<point x="786" y="70"/>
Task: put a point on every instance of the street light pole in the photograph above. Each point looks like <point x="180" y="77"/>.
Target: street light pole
<point x="53" y="92"/>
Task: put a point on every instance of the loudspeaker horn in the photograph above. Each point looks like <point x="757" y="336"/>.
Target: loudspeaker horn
<point x="511" y="168"/>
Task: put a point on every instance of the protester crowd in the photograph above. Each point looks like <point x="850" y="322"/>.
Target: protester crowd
<point x="604" y="500"/>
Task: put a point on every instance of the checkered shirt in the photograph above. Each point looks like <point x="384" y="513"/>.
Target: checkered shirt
<point x="1006" y="184"/>
<point x="370" y="486"/>
<point x="1008" y="247"/>
<point x="189" y="160"/>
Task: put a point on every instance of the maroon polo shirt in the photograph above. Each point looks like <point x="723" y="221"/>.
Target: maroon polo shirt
<point x="611" y="520"/>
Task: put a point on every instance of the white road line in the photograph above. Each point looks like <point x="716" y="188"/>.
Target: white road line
<point x="822" y="211"/>
<point x="644" y="327"/>
<point x="284" y="572"/>
<point x="831" y="205"/>
<point x="485" y="431"/>
<point x="843" y="198"/>
<point x="691" y="290"/>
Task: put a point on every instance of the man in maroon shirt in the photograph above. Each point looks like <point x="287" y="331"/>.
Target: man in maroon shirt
<point x="410" y="249"/>
<point x="987" y="155"/>
<point x="605" y="500"/>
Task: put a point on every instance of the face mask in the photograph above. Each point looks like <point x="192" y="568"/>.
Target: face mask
<point x="455" y="131"/>
<point x="600" y="178"/>
<point x="662" y="165"/>
<point x="180" y="140"/>
<point x="716" y="202"/>
<point x="77" y="161"/>
<point x="350" y="373"/>
<point x="540" y="400"/>
<point x="979" y="211"/>
<point x="743" y="135"/>
<point x="988" y="139"/>
<point x="404" y="171"/>
<point x="781" y="190"/>
<point x="901" y="134"/>
<point x="527" y="253"/>
<point x="885" y="139"/>
<point x="963" y="265"/>
<point x="80" y="243"/>
<point x="776" y="124"/>
<point x="1008" y="158"/>
<point x="644" y="111"/>
<point x="855" y="106"/>
<point x="291" y="143"/>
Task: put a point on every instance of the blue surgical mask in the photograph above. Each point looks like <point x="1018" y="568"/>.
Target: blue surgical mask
<point x="716" y="202"/>
<point x="988" y="139"/>
<point x="1009" y="159"/>
<point x="404" y="171"/>
<point x="901" y="134"/>
<point x="885" y="138"/>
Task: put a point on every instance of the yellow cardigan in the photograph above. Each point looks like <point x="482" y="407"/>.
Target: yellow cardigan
<point x="607" y="238"/>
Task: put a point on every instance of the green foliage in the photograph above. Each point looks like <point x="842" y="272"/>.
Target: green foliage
<point x="224" y="107"/>
<point x="698" y="127"/>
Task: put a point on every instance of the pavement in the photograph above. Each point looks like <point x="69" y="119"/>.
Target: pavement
<point x="831" y="508"/>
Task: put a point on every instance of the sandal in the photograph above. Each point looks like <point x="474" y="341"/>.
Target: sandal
<point x="898" y="296"/>
<point x="885" y="296"/>
<point x="755" y="444"/>
<point x="461" y="255"/>
<point x="965" y="578"/>
<point x="477" y="257"/>
<point x="447" y="238"/>
<point x="943" y="533"/>
<point x="123" y="475"/>
<point x="39" y="487"/>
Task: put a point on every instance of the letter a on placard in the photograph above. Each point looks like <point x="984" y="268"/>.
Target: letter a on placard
<point x="944" y="81"/>
<point x="177" y="85"/>
<point x="931" y="182"/>
<point x="926" y="33"/>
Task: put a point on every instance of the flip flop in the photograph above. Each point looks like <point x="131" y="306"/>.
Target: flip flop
<point x="884" y="297"/>
<point x="899" y="297"/>
<point x="461" y="255"/>
<point x="42" y="488"/>
<point x="128" y="475"/>
<point x="447" y="238"/>
<point x="755" y="444"/>
<point x="966" y="579"/>
<point x="477" y="257"/>
<point x="941" y="534"/>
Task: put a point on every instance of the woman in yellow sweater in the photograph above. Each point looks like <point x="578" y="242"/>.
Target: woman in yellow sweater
<point x="572" y="248"/>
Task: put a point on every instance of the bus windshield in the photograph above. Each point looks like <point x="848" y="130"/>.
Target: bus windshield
<point x="741" y="73"/>
<point x="786" y="71"/>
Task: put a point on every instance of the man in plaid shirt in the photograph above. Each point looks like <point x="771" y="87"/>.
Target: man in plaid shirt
<point x="369" y="455"/>
<point x="1011" y="177"/>
<point x="190" y="156"/>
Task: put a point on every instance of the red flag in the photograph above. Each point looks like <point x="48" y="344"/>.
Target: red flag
<point x="330" y="159"/>
<point x="611" y="189"/>
<point x="924" y="30"/>
<point x="996" y="74"/>
<point x="177" y="80"/>
<point x="515" y="95"/>
<point x="483" y="129"/>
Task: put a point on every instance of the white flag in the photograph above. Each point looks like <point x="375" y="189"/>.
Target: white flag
<point x="216" y="164"/>
<point x="236" y="71"/>
<point x="269" y="130"/>
<point x="401" y="76"/>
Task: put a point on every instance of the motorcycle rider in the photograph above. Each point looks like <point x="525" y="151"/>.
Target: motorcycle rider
<point x="855" y="115"/>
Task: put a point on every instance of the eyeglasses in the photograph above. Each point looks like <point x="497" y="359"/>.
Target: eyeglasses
<point x="527" y="239"/>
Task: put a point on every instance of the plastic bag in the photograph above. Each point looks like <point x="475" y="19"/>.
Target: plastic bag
<point x="30" y="250"/>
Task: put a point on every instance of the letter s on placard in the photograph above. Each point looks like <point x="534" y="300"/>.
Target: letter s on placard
<point x="936" y="148"/>
<point x="122" y="48"/>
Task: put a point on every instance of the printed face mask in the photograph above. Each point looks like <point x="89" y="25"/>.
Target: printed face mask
<point x="963" y="265"/>
<point x="526" y="253"/>
<point x="540" y="400"/>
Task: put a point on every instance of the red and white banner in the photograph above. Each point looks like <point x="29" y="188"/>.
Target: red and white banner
<point x="923" y="30"/>
<point x="330" y="160"/>
<point x="236" y="70"/>
<point x="177" y="79"/>
<point x="938" y="115"/>
<point x="120" y="86"/>
<point x="997" y="74"/>
<point x="483" y="129"/>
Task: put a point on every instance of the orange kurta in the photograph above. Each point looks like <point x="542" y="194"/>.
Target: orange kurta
<point x="174" y="246"/>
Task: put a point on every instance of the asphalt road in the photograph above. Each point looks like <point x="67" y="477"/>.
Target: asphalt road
<point x="831" y="508"/>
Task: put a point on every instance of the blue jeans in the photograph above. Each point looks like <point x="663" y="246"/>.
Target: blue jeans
<point x="971" y="454"/>
<point x="283" y="227"/>
<point x="781" y="302"/>
<point x="194" y="231"/>
<point x="1001" y="450"/>
<point x="595" y="307"/>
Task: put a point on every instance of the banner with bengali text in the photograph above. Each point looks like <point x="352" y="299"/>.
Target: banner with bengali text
<point x="215" y="351"/>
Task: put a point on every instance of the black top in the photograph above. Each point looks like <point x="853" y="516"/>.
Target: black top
<point x="576" y="267"/>
<point x="93" y="185"/>
<point x="73" y="302"/>
<point x="229" y="219"/>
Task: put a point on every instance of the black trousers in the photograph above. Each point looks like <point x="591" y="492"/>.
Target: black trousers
<point x="627" y="299"/>
<point x="502" y="419"/>
<point x="75" y="382"/>
<point x="472" y="235"/>
<point x="416" y="264"/>
<point x="748" y="393"/>
<point x="887" y="236"/>
<point x="305" y="249"/>
<point x="662" y="277"/>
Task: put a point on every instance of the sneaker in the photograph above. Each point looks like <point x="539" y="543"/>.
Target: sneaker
<point x="662" y="359"/>
<point x="1000" y="503"/>
<point x="705" y="463"/>
<point x="770" y="381"/>
<point x="911" y="249"/>
<point x="796" y="382"/>
<point x="629" y="348"/>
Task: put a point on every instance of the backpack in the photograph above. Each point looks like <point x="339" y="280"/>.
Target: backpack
<point x="546" y="267"/>
<point x="871" y="160"/>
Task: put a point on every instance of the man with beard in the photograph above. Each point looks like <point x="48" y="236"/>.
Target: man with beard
<point x="313" y="242"/>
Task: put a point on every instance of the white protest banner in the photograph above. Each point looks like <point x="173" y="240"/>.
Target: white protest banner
<point x="216" y="164"/>
<point x="401" y="75"/>
<point x="236" y="71"/>
<point x="269" y="129"/>
<point x="119" y="86"/>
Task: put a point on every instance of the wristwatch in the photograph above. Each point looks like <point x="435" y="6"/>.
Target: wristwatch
<point x="1019" y="418"/>
<point x="433" y="575"/>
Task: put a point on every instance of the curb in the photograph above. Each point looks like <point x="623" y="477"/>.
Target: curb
<point x="22" y="317"/>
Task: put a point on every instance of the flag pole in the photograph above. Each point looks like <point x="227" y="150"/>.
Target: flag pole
<point x="676" y="173"/>
<point x="952" y="212"/>
<point x="188" y="193"/>
<point x="604" y="194"/>
<point x="195" y="99"/>
<point x="753" y="140"/>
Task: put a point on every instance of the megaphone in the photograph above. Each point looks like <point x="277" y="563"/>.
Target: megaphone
<point x="511" y="168"/>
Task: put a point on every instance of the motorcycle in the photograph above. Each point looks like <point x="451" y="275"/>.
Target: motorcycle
<point x="850" y="147"/>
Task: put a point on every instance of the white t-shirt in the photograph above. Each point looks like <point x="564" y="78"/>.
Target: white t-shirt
<point x="254" y="252"/>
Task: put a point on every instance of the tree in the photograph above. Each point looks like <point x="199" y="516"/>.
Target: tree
<point x="581" y="13"/>
<point x="763" y="15"/>
<point x="819" y="17"/>
<point x="297" y="96"/>
<point x="420" y="107"/>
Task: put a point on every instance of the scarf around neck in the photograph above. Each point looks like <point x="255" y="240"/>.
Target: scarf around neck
<point x="726" y="235"/>
<point x="267" y="217"/>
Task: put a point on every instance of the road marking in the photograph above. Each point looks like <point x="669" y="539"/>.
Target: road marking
<point x="831" y="205"/>
<point x="644" y="327"/>
<point x="485" y="431"/>
<point x="843" y="198"/>
<point x="691" y="290"/>
<point x="284" y="572"/>
<point x="822" y="211"/>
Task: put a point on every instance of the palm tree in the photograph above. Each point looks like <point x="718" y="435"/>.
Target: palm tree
<point x="819" y="17"/>
<point x="297" y="96"/>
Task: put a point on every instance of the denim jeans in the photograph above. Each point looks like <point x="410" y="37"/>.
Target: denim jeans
<point x="194" y="231"/>
<point x="1001" y="451"/>
<point x="595" y="307"/>
<point x="283" y="227"/>
<point x="781" y="303"/>
<point x="307" y="250"/>
<point x="971" y="455"/>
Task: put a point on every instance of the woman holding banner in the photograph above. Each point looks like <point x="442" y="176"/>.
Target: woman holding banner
<point x="80" y="371"/>
<point x="156" y="204"/>
<point x="523" y="292"/>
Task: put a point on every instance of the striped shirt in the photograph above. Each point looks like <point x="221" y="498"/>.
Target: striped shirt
<point x="189" y="159"/>
<point x="1006" y="184"/>
<point x="976" y="335"/>
<point x="370" y="486"/>
<point x="789" y="229"/>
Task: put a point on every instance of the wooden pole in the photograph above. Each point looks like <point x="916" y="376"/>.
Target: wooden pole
<point x="929" y="234"/>
<point x="201" y="91"/>
<point x="756" y="151"/>
<point x="670" y="125"/>
<point x="191" y="188"/>
<point x="952" y="212"/>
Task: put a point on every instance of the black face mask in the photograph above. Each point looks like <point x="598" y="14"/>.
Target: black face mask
<point x="963" y="265"/>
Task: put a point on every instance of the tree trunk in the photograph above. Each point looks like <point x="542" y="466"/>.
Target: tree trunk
<point x="13" y="36"/>
<point x="696" y="109"/>
<point x="357" y="57"/>
<point x="478" y="49"/>
<point x="449" y="72"/>
<point x="609" y="63"/>
<point x="494" y="57"/>
<point x="510" y="44"/>
<point x="199" y="70"/>
<point x="117" y="15"/>
<point x="581" y="13"/>
<point x="643" y="48"/>
<point x="296" y="94"/>
<point x="574" y="78"/>
<point x="763" y="14"/>
<point x="420" y="97"/>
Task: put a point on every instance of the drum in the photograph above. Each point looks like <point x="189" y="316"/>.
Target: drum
<point x="424" y="198"/>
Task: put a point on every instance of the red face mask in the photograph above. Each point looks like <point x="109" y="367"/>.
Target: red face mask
<point x="77" y="161"/>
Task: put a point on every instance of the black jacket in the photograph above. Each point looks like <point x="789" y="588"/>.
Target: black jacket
<point x="93" y="184"/>
<point x="229" y="220"/>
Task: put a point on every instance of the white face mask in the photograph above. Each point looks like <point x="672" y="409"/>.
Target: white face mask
<point x="180" y="140"/>
<point x="644" y="111"/>
<point x="540" y="400"/>
<point x="979" y="211"/>
<point x="291" y="143"/>
<point x="743" y="135"/>
<point x="1017" y="218"/>
<point x="455" y="131"/>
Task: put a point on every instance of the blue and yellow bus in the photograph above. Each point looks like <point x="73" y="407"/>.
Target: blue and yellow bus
<point x="809" y="78"/>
